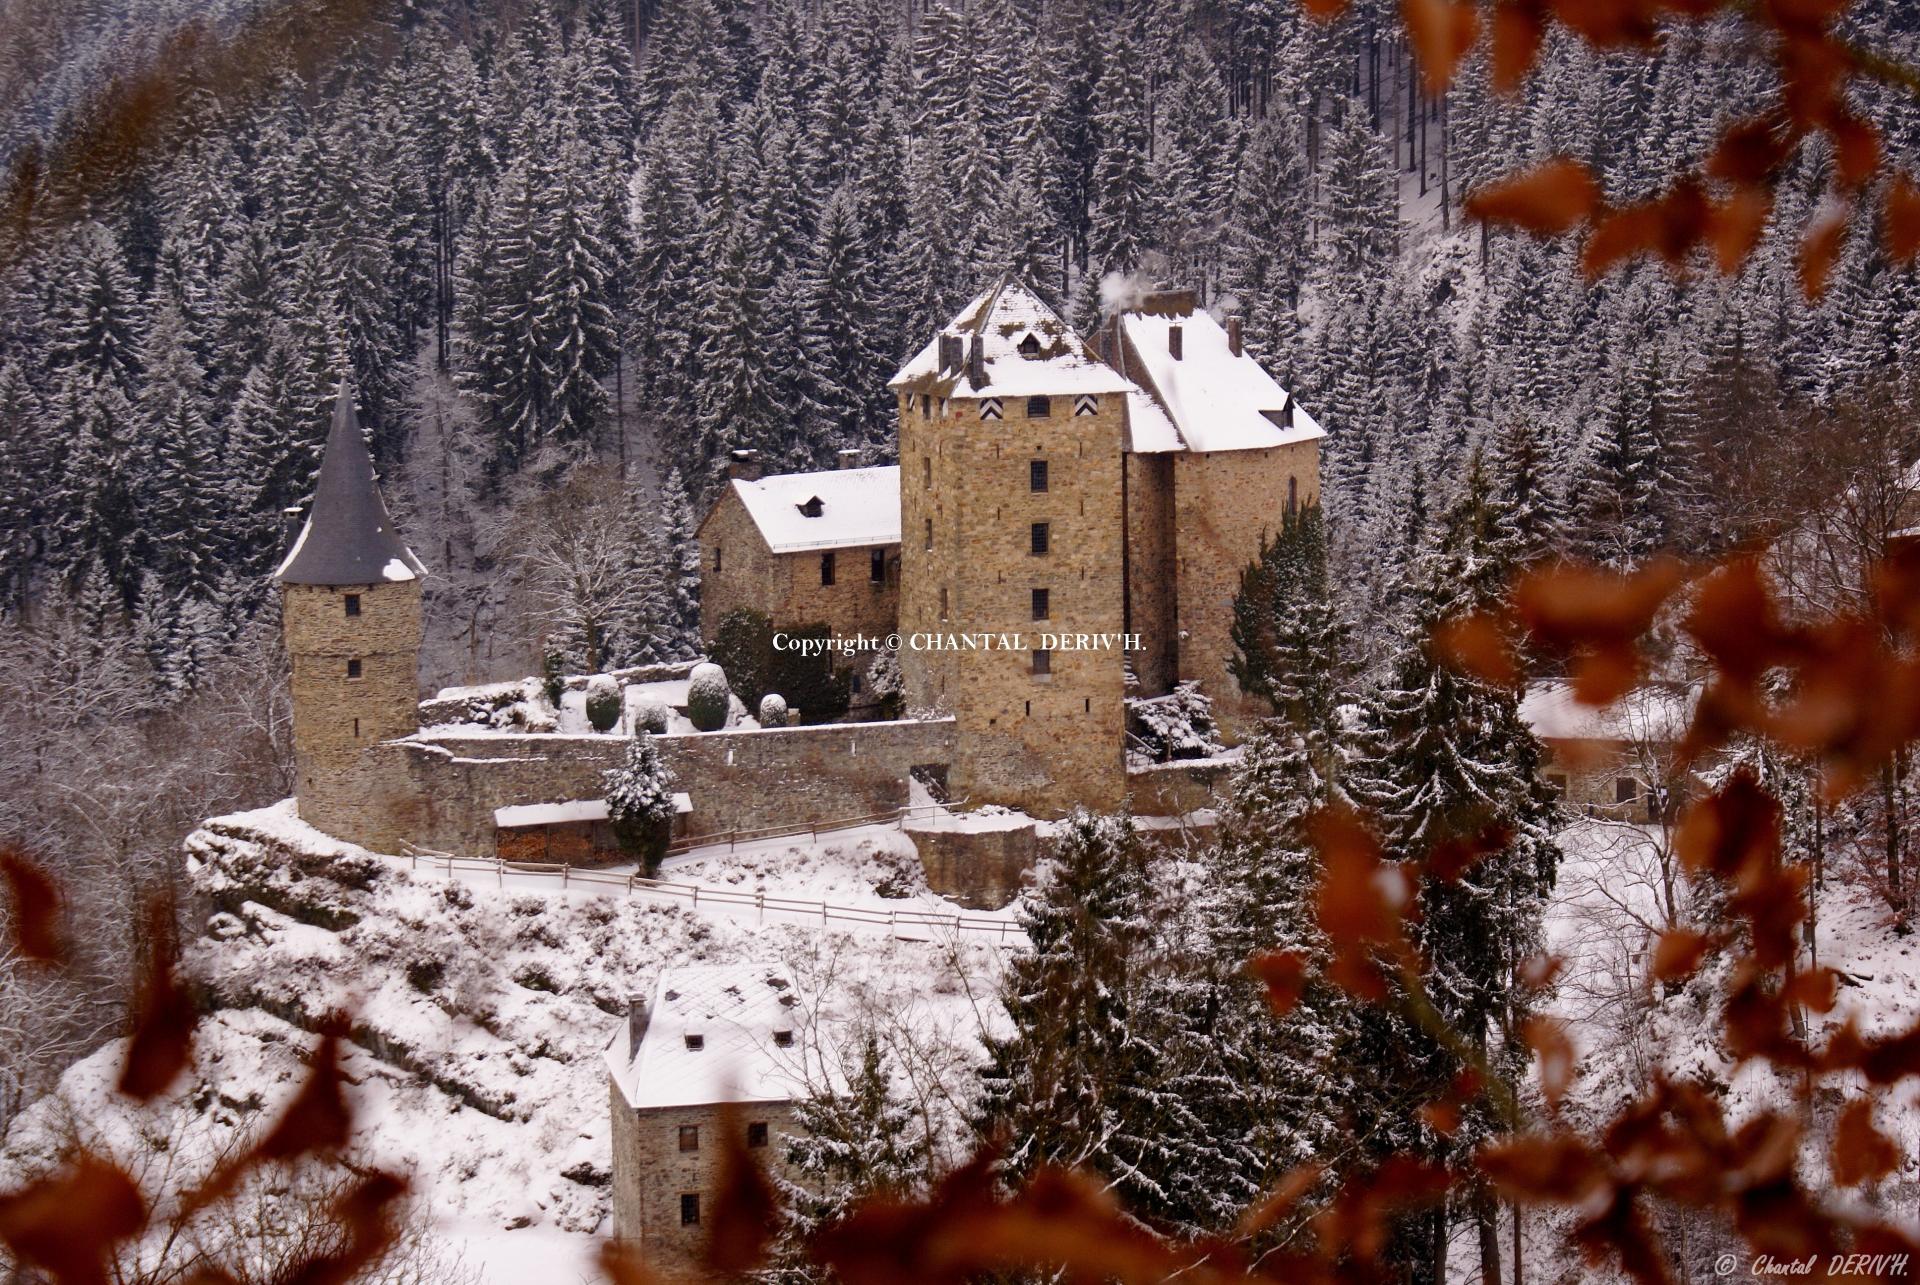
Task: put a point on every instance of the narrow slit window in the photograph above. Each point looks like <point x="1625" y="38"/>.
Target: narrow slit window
<point x="1037" y="475"/>
<point x="1040" y="604"/>
<point x="943" y="602"/>
<point x="826" y="568"/>
<point x="929" y="533"/>
<point x="1042" y="538"/>
<point x="1042" y="663"/>
<point x="877" y="567"/>
<point x="690" y="1210"/>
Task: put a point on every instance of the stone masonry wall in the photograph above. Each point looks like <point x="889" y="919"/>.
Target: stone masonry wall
<point x="1047" y="741"/>
<point x="736" y="567"/>
<point x="651" y="1174"/>
<point x="339" y="718"/>
<point x="1225" y="503"/>
<point x="448" y="785"/>
<point x="1150" y="578"/>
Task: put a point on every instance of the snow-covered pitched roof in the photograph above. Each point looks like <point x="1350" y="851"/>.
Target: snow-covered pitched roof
<point x="1002" y="317"/>
<point x="1653" y="714"/>
<point x="714" y="1034"/>
<point x="521" y="815"/>
<point x="1217" y="401"/>
<point x="857" y="506"/>
<point x="1149" y="431"/>
<point x="348" y="538"/>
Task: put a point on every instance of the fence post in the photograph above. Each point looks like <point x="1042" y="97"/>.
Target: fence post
<point x="563" y="874"/>
<point x="760" y="903"/>
<point x="823" y="914"/>
<point x="696" y="895"/>
<point x="499" y="869"/>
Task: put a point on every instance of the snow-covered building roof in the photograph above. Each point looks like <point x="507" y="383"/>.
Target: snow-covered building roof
<point x="572" y="812"/>
<point x="348" y="537"/>
<point x="713" y="1034"/>
<point x="1025" y="350"/>
<point x="1655" y="714"/>
<point x="1217" y="399"/>
<point x="834" y="509"/>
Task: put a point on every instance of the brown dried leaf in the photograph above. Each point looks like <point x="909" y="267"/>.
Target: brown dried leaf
<point x="1735" y="226"/>
<point x="1731" y="831"/>
<point x="1286" y="1194"/>
<point x="621" y="1262"/>
<point x="1556" y="1168"/>
<point x="1518" y="26"/>
<point x="1861" y="1153"/>
<point x="1553" y="197"/>
<point x="746" y="1210"/>
<point x="1443" y="1117"/>
<point x="1324" y="10"/>
<point x="1285" y="974"/>
<point x="36" y="909"/>
<point x="1441" y="31"/>
<point x="1478" y="644"/>
<point x="364" y="1213"/>
<point x="1902" y="227"/>
<point x="1609" y="23"/>
<point x="1856" y="149"/>
<point x="1451" y="858"/>
<point x="68" y="1223"/>
<point x="165" y="1016"/>
<point x="1678" y="953"/>
<point x="1361" y="900"/>
<point x="1671" y="226"/>
<point x="1548" y="1038"/>
<point x="1750" y="152"/>
<point x="1820" y="250"/>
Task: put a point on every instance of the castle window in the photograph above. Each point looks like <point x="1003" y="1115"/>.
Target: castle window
<point x="353" y="604"/>
<point x="1042" y="539"/>
<point x="1626" y="790"/>
<point x="717" y="551"/>
<point x="926" y="472"/>
<point x="690" y="1210"/>
<point x="1030" y="347"/>
<point x="689" y="1137"/>
<point x="1293" y="496"/>
<point x="757" y="1133"/>
<point x="943" y="602"/>
<point x="1042" y="663"/>
<point x="695" y="1042"/>
<point x="356" y="729"/>
<point x="353" y="669"/>
<point x="783" y="1039"/>
<point x="1037" y="475"/>
<point x="1039" y="604"/>
<point x="826" y="568"/>
<point x="877" y="566"/>
<point x="1029" y="709"/>
<point x="929" y="533"/>
<point x="926" y="406"/>
<point x="1039" y="407"/>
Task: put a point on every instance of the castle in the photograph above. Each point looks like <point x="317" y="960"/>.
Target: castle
<point x="1088" y="506"/>
<point x="1048" y="490"/>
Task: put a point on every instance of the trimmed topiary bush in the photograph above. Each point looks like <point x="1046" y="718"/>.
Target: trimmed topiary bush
<point x="603" y="703"/>
<point x="773" y="710"/>
<point x="651" y="716"/>
<point x="707" y="697"/>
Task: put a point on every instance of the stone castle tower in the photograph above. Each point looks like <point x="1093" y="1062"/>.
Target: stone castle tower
<point x="351" y="613"/>
<point x="1011" y="522"/>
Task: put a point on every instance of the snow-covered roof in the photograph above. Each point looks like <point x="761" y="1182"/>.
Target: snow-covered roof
<point x="1149" y="431"/>
<point x="1003" y="317"/>
<point x="857" y="506"/>
<point x="1217" y="401"/>
<point x="348" y="537"/>
<point x="522" y="815"/>
<point x="714" y="1033"/>
<point x="1653" y="714"/>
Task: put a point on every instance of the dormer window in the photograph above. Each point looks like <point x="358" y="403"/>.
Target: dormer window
<point x="783" y="1039"/>
<point x="811" y="508"/>
<point x="695" y="1042"/>
<point x="1030" y="346"/>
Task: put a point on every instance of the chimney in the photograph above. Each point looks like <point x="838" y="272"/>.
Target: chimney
<point x="1286" y="412"/>
<point x="1234" y="345"/>
<point x="977" y="363"/>
<point x="637" y="1019"/>
<point x="1175" y="345"/>
<point x="949" y="353"/>
<point x="743" y="466"/>
<point x="847" y="458"/>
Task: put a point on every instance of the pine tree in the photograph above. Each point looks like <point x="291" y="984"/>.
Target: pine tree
<point x="1122" y="228"/>
<point x="180" y="525"/>
<point x="1071" y="1084"/>
<point x="95" y="314"/>
<point x="845" y="339"/>
<point x="681" y="620"/>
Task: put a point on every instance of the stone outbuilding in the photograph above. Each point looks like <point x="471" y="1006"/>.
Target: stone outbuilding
<point x="714" y="1048"/>
<point x="1619" y="761"/>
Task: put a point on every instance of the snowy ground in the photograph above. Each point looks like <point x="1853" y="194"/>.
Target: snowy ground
<point x="480" y="1015"/>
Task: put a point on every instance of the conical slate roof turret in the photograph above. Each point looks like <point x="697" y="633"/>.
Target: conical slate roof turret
<point x="348" y="538"/>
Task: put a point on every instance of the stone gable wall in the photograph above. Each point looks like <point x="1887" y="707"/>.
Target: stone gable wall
<point x="739" y="570"/>
<point x="651" y="1173"/>
<point x="1225" y="503"/>
<point x="1023" y="740"/>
